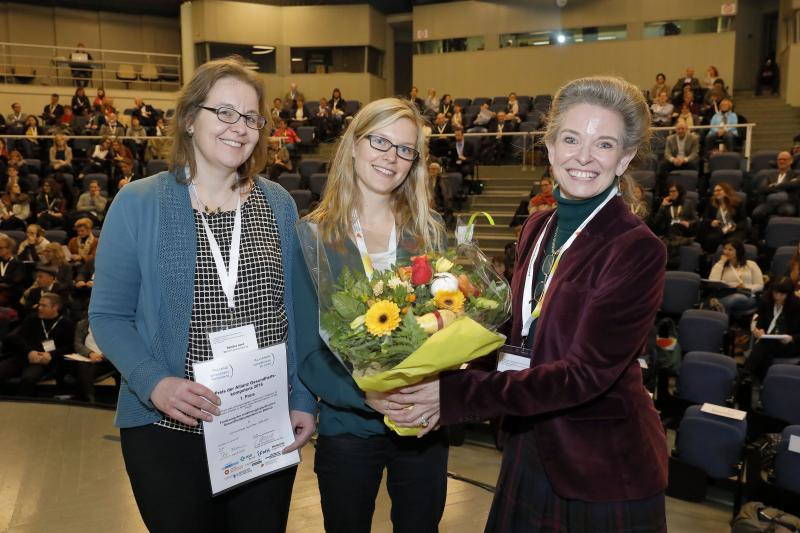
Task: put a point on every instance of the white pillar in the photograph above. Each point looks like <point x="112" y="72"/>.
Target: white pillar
<point x="187" y="42"/>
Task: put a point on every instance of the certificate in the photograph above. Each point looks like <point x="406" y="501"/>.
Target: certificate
<point x="245" y="441"/>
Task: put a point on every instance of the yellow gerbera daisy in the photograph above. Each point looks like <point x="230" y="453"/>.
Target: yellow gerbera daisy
<point x="452" y="300"/>
<point x="383" y="318"/>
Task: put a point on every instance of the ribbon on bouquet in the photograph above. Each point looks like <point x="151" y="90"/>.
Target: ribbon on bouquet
<point x="465" y="232"/>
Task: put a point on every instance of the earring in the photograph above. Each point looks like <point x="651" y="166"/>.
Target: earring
<point x="190" y="131"/>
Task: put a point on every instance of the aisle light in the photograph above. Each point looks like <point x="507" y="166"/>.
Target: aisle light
<point x="561" y="38"/>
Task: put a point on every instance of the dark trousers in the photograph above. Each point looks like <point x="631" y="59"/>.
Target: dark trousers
<point x="349" y="471"/>
<point x="19" y="367"/>
<point x="169" y="477"/>
<point x="763" y="354"/>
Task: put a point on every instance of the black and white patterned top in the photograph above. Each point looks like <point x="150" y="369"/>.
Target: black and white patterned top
<point x="259" y="289"/>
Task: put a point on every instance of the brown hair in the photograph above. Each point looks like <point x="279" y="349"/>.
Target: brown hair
<point x="617" y="95"/>
<point x="732" y="199"/>
<point x="193" y="95"/>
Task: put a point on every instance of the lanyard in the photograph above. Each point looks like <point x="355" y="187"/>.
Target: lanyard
<point x="528" y="316"/>
<point x="776" y="312"/>
<point x="227" y="277"/>
<point x="47" y="332"/>
<point x="361" y="244"/>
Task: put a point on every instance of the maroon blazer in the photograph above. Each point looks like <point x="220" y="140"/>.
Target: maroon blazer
<point x="596" y="429"/>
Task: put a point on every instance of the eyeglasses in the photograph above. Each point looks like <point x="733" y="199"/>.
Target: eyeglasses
<point x="548" y="263"/>
<point x="384" y="145"/>
<point x="231" y="116"/>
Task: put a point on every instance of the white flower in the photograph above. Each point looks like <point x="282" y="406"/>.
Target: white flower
<point x="409" y="287"/>
<point x="377" y="289"/>
<point x="394" y="282"/>
<point x="443" y="264"/>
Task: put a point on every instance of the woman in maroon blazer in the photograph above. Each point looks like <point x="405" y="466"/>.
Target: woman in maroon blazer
<point x="586" y="450"/>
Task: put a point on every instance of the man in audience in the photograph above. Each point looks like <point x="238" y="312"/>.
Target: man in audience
<point x="780" y="193"/>
<point x="413" y="96"/>
<point x="92" y="205"/>
<point x="112" y="128"/>
<point x="38" y="345"/>
<point x="723" y="133"/>
<point x="485" y="116"/>
<point x="277" y="110"/>
<point x="290" y="100"/>
<point x="439" y="146"/>
<point x="12" y="273"/>
<point x="461" y="154"/>
<point x="498" y="146"/>
<point x="126" y="174"/>
<point x="688" y="79"/>
<point x="51" y="114"/>
<point x="145" y="113"/>
<point x="15" y="121"/>
<point x="159" y="148"/>
<point x="44" y="282"/>
<point x="681" y="149"/>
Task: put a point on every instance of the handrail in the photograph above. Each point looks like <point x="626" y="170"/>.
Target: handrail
<point x="74" y="48"/>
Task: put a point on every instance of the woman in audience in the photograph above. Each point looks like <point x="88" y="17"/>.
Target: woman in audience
<point x="138" y="144"/>
<point x="121" y="154"/>
<point x="3" y="152"/>
<point x="92" y="203"/>
<point x="725" y="218"/>
<point x="688" y="111"/>
<point x="159" y="148"/>
<point x="544" y="200"/>
<point x="457" y="119"/>
<point x="83" y="246"/>
<point x="639" y="205"/>
<point x="80" y="102"/>
<point x="53" y="255"/>
<point x="712" y="75"/>
<point x="740" y="273"/>
<point x="30" y="250"/>
<point x="101" y="159"/>
<point x="578" y="420"/>
<point x="512" y="109"/>
<point x="338" y="107"/>
<point x="662" y="110"/>
<point x="50" y="205"/>
<point x="16" y="208"/>
<point x="30" y="144"/>
<point x="60" y="155"/>
<point x="794" y="271"/>
<point x="16" y="160"/>
<point x="300" y="116"/>
<point x="778" y="314"/>
<point x="99" y="100"/>
<point x="354" y="446"/>
<point x="172" y="293"/>
<point x="446" y="106"/>
<point x="676" y="216"/>
<point x="660" y="85"/>
<point x="431" y="105"/>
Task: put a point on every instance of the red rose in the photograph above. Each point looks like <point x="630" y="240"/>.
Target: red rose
<point x="421" y="270"/>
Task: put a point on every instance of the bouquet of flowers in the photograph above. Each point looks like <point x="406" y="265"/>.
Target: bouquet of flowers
<point x="431" y="312"/>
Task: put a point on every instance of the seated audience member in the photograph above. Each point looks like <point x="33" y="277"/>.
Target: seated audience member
<point x="144" y="112"/>
<point x="662" y="110"/>
<point x="498" y="147"/>
<point x="159" y="148"/>
<point x="687" y="79"/>
<point x="13" y="178"/>
<point x="278" y="160"/>
<point x="290" y="100"/>
<point x="50" y="205"/>
<point x="91" y="204"/>
<point x="15" y="208"/>
<point x="724" y="219"/>
<point x="291" y="139"/>
<point x="723" y="133"/>
<point x="99" y="99"/>
<point x="431" y="104"/>
<point x="457" y="118"/>
<point x="100" y="160"/>
<point x="61" y="155"/>
<point x="740" y="273"/>
<point x="126" y="174"/>
<point x="121" y="153"/>
<point x="96" y="121"/>
<point x="660" y="85"/>
<point x="276" y="111"/>
<point x="461" y="155"/>
<point x="80" y="102"/>
<point x="717" y="88"/>
<point x="446" y="106"/>
<point x="338" y="107"/>
<point x="413" y="95"/>
<point x="778" y="314"/>
<point x="3" y="154"/>
<point x="780" y="193"/>
<point x="439" y="146"/>
<point x="768" y="76"/>
<point x="512" y="108"/>
<point x="112" y="128"/>
<point x="794" y="271"/>
<point x="15" y="121"/>
<point x="37" y="347"/>
<point x="30" y="147"/>
<point x="322" y="122"/>
<point x="687" y="110"/>
<point x="139" y="143"/>
<point x="682" y="149"/>
<point x="83" y="246"/>
<point x="45" y="281"/>
<point x="78" y="123"/>
<point x="16" y="160"/>
<point x="675" y="222"/>
<point x="639" y="205"/>
<point x="53" y="255"/>
<point x="442" y="193"/>
<point x="86" y="373"/>
<point x="485" y="116"/>
<point x="544" y="200"/>
<point x="30" y="250"/>
<point x="51" y="114"/>
<point x="12" y="273"/>
<point x="712" y="75"/>
<point x="299" y="116"/>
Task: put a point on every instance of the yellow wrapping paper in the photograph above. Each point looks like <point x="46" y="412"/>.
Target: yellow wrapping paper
<point x="459" y="343"/>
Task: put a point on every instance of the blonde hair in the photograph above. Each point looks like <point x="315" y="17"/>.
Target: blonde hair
<point x="194" y="94"/>
<point x="58" y="258"/>
<point x="617" y="95"/>
<point x="411" y="200"/>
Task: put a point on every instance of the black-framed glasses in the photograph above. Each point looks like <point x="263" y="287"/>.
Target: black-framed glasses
<point x="384" y="145"/>
<point x="231" y="116"/>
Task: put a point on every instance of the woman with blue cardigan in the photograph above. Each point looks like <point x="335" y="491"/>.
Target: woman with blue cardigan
<point x="167" y="275"/>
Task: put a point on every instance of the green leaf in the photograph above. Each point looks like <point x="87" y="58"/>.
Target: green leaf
<point x="348" y="307"/>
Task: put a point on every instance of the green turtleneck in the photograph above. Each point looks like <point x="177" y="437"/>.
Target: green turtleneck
<point x="569" y="215"/>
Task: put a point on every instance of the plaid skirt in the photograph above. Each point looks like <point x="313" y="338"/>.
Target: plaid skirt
<point x="525" y="501"/>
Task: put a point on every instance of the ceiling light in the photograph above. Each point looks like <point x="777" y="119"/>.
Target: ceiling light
<point x="561" y="39"/>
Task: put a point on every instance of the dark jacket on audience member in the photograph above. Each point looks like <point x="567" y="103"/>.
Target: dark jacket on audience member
<point x="790" y="184"/>
<point x="29" y="335"/>
<point x="52" y="117"/>
<point x="690" y="148"/>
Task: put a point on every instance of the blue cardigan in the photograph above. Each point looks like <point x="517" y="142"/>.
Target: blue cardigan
<point x="144" y="288"/>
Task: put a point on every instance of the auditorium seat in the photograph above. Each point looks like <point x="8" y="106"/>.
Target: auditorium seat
<point x="307" y="135"/>
<point x="154" y="166"/>
<point x="17" y="235"/>
<point x="686" y="178"/>
<point x="500" y="100"/>
<point x="733" y="177"/>
<point x="690" y="257"/>
<point x="479" y="101"/>
<point x="56" y="235"/>
<point x="302" y="197"/>
<point x="781" y="261"/>
<point x="712" y="443"/>
<point x="782" y="231"/>
<point x="352" y="107"/>
<point x="34" y="180"/>
<point x="316" y="183"/>
<point x="463" y="102"/>
<point x="787" y="462"/>
<point x="763" y="160"/>
<point x="645" y="178"/>
<point x="760" y="178"/>
<point x="99" y="177"/>
<point x="126" y="74"/>
<point x="306" y="168"/>
<point x="290" y="182"/>
<point x="149" y="73"/>
<point x="707" y="377"/>
<point x="702" y="330"/>
<point x="780" y="396"/>
<point x="681" y="290"/>
<point x="725" y="161"/>
<point x="776" y="484"/>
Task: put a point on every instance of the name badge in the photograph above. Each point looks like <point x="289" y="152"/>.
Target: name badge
<point x="233" y="341"/>
<point x="514" y="358"/>
<point x="49" y="346"/>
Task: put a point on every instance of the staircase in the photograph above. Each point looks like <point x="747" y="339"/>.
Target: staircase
<point x="776" y="122"/>
<point x="504" y="187"/>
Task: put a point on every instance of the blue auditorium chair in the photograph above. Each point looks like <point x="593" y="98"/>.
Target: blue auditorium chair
<point x="302" y="198"/>
<point x="154" y="166"/>
<point x="307" y="135"/>
<point x="781" y="261"/>
<point x="500" y="100"/>
<point x="290" y="182"/>
<point x="733" y="177"/>
<point x="710" y="442"/>
<point x="702" y="330"/>
<point x="782" y="231"/>
<point x="316" y="183"/>
<point x="352" y="107"/>
<point x="760" y="178"/>
<point x="306" y="168"/>
<point x="479" y="101"/>
<point x="782" y="488"/>
<point x="681" y="290"/>
<point x="99" y="177"/>
<point x="34" y="180"/>
<point x="787" y="462"/>
<point x="780" y="396"/>
<point x="690" y="257"/>
<point x="56" y="235"/>
<point x="645" y="178"/>
<point x="686" y="178"/>
<point x="707" y="377"/>
<point x="725" y="161"/>
<point x="763" y="160"/>
<point x="463" y="102"/>
<point x="33" y="165"/>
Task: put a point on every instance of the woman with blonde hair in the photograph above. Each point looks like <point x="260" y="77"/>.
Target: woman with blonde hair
<point x="585" y="450"/>
<point x="53" y="255"/>
<point x="376" y="211"/>
<point x="204" y="247"/>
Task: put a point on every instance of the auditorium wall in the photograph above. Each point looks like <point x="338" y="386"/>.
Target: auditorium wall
<point x="542" y="69"/>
